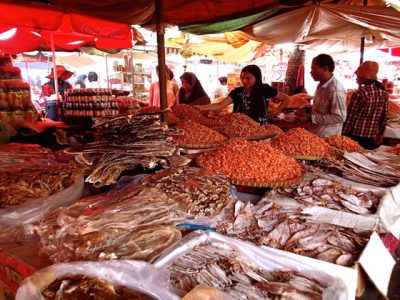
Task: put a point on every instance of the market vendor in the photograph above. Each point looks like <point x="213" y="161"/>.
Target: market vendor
<point x="192" y="91"/>
<point x="368" y="109"/>
<point x="63" y="74"/>
<point x="329" y="109"/>
<point x="251" y="98"/>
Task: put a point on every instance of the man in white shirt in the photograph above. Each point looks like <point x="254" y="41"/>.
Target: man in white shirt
<point x="329" y="109"/>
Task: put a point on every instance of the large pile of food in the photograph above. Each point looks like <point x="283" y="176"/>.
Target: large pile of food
<point x="73" y="287"/>
<point x="299" y="101"/>
<point x="24" y="183"/>
<point x="188" y="112"/>
<point x="287" y="229"/>
<point x="395" y="149"/>
<point x="197" y="134"/>
<point x="251" y="161"/>
<point x="343" y="142"/>
<point x="237" y="125"/>
<point x="271" y="129"/>
<point x="223" y="267"/>
<point x="300" y="142"/>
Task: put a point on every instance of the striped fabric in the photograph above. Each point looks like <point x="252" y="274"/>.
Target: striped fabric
<point x="367" y="112"/>
<point x="329" y="109"/>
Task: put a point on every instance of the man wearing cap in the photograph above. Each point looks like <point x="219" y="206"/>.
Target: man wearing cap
<point x="63" y="74"/>
<point x="366" y="119"/>
<point x="329" y="109"/>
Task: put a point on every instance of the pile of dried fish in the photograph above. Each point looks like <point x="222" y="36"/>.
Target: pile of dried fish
<point x="134" y="141"/>
<point x="199" y="192"/>
<point x="268" y="224"/>
<point x="332" y="194"/>
<point x="128" y="223"/>
<point x="27" y="182"/>
<point x="13" y="153"/>
<point x="72" y="287"/>
<point x="223" y="267"/>
<point x="376" y="168"/>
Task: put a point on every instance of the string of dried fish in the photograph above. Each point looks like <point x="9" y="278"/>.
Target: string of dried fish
<point x="223" y="267"/>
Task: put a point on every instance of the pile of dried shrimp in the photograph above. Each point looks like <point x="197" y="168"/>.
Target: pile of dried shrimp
<point x="343" y="142"/>
<point x="197" y="134"/>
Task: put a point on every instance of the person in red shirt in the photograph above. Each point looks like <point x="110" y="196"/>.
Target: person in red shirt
<point x="63" y="74"/>
<point x="367" y="112"/>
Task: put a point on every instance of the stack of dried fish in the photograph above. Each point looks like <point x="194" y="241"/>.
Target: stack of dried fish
<point x="268" y="224"/>
<point x="376" y="168"/>
<point x="332" y="194"/>
<point x="197" y="191"/>
<point x="26" y="182"/>
<point x="128" y="223"/>
<point x="133" y="141"/>
<point x="223" y="267"/>
<point x="13" y="153"/>
<point x="71" y="287"/>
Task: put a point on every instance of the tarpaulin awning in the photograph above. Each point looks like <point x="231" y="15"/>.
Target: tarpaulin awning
<point x="29" y="28"/>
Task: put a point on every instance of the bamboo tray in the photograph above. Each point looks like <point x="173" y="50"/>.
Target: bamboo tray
<point x="251" y="183"/>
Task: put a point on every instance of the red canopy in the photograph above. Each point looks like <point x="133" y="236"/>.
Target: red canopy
<point x="29" y="28"/>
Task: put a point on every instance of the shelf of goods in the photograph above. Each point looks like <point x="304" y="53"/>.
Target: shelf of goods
<point x="90" y="103"/>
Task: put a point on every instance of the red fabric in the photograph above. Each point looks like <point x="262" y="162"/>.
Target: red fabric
<point x="300" y="76"/>
<point x="392" y="51"/>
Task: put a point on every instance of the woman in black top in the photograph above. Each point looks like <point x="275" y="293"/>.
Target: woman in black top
<point x="251" y="98"/>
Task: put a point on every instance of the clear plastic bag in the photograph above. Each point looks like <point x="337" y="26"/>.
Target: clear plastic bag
<point x="135" y="275"/>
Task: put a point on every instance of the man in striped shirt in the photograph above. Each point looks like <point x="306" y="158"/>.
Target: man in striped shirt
<point x="329" y="109"/>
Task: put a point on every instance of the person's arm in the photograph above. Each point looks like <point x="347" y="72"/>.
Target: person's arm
<point x="175" y="88"/>
<point x="284" y="101"/>
<point x="217" y="106"/>
<point x="337" y="113"/>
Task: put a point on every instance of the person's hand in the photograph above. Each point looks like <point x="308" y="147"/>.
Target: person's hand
<point x="198" y="107"/>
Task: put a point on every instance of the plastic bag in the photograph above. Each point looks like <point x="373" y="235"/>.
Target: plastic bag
<point x="136" y="275"/>
<point x="205" y="292"/>
<point x="31" y="211"/>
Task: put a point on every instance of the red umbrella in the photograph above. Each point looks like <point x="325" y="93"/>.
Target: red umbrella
<point x="30" y="28"/>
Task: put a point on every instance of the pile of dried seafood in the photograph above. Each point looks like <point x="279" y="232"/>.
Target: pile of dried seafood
<point x="395" y="149"/>
<point x="254" y="161"/>
<point x="343" y="143"/>
<point x="188" y="112"/>
<point x="72" y="287"/>
<point x="134" y="141"/>
<point x="270" y="225"/>
<point x="197" y="134"/>
<point x="240" y="126"/>
<point x="376" y="168"/>
<point x="272" y="129"/>
<point x="23" y="183"/>
<point x="128" y="223"/>
<point x="223" y="267"/>
<point x="332" y="194"/>
<point x="199" y="192"/>
<point x="14" y="153"/>
<point x="298" y="141"/>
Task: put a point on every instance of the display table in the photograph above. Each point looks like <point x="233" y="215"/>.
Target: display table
<point x="392" y="132"/>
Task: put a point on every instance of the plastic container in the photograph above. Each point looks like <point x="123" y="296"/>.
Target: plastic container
<point x="51" y="109"/>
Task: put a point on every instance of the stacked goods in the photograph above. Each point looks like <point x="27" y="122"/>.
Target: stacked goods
<point x="237" y="125"/>
<point x="127" y="104"/>
<point x="124" y="224"/>
<point x="188" y="112"/>
<point x="197" y="134"/>
<point x="24" y="183"/>
<point x="251" y="161"/>
<point x="376" y="168"/>
<point x="343" y="143"/>
<point x="198" y="192"/>
<point x="288" y="229"/>
<point x="223" y="267"/>
<point x="332" y="194"/>
<point x="85" y="287"/>
<point x="300" y="142"/>
<point x="90" y="102"/>
<point x="9" y="73"/>
<point x="272" y="129"/>
<point x="148" y="110"/>
<point x="299" y="101"/>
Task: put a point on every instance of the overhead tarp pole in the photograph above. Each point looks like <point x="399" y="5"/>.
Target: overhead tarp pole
<point x="108" y="76"/>
<point x="362" y="46"/>
<point x="53" y="53"/>
<point x="162" y="74"/>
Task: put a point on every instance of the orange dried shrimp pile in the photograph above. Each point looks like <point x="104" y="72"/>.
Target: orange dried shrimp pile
<point x="148" y="110"/>
<point x="197" y="134"/>
<point x="251" y="161"/>
<point x="393" y="107"/>
<point x="188" y="112"/>
<point x="239" y="125"/>
<point x="343" y="142"/>
<point x="395" y="149"/>
<point x="269" y="128"/>
<point x="298" y="141"/>
<point x="298" y="101"/>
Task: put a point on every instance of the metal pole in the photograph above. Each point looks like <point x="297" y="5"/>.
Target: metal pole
<point x="54" y="64"/>
<point x="161" y="57"/>
<point x="362" y="46"/>
<point x="132" y="66"/>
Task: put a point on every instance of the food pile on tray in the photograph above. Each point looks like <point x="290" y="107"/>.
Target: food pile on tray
<point x="196" y="135"/>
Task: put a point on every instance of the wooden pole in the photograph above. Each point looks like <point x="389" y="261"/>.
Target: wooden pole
<point x="161" y="57"/>
<point x="362" y="46"/>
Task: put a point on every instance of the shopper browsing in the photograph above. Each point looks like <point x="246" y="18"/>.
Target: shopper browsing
<point x="172" y="90"/>
<point x="192" y="91"/>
